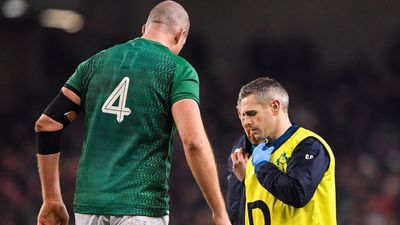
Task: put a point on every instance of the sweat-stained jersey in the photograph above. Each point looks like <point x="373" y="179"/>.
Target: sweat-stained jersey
<point x="264" y="208"/>
<point x="127" y="92"/>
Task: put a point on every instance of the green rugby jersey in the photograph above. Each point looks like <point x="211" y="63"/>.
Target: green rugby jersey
<point x="127" y="92"/>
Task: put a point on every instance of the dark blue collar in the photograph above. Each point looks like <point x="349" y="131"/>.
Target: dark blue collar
<point x="280" y="140"/>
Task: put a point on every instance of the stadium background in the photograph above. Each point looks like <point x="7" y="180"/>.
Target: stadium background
<point x="339" y="60"/>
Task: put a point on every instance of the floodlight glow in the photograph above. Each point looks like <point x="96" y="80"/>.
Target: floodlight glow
<point x="14" y="8"/>
<point x="67" y="20"/>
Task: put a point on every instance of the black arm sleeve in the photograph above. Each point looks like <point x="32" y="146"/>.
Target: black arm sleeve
<point x="305" y="170"/>
<point x="235" y="192"/>
<point x="60" y="108"/>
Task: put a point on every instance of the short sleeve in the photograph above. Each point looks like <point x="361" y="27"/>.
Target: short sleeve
<point x="75" y="82"/>
<point x="185" y="84"/>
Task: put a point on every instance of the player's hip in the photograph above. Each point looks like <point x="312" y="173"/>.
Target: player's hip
<point x="88" y="219"/>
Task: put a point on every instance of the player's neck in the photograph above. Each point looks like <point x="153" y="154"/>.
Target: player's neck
<point x="157" y="36"/>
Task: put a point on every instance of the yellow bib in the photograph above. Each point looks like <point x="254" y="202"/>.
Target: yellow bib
<point x="262" y="208"/>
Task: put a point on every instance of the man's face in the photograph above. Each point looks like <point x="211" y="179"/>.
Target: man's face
<point x="250" y="136"/>
<point x="257" y="119"/>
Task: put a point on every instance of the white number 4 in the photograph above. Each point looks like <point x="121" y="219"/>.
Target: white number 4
<point x="120" y="92"/>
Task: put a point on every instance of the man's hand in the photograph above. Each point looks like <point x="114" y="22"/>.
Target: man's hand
<point x="261" y="154"/>
<point x="239" y="163"/>
<point x="53" y="213"/>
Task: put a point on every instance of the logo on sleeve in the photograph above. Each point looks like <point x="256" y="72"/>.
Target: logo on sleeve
<point x="309" y="156"/>
<point x="282" y="161"/>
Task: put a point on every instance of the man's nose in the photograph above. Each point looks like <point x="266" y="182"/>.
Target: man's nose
<point x="246" y="120"/>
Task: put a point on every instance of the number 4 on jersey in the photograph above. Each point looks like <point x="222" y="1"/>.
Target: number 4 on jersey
<point x="120" y="92"/>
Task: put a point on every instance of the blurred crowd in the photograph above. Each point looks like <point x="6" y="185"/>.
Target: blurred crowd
<point x="353" y="106"/>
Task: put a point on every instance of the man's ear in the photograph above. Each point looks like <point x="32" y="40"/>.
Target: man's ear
<point x="143" y="28"/>
<point x="275" y="106"/>
<point x="179" y="35"/>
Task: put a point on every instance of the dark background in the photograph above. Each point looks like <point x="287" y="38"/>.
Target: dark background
<point x="339" y="60"/>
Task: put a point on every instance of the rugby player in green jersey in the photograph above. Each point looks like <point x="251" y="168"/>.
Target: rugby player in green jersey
<point x="134" y="96"/>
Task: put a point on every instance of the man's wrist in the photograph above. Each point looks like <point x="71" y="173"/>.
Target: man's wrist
<point x="52" y="197"/>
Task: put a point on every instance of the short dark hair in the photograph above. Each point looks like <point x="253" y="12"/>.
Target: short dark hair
<point x="265" y="89"/>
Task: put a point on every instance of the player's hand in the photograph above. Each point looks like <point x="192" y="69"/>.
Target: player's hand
<point x="239" y="161"/>
<point x="261" y="154"/>
<point x="53" y="213"/>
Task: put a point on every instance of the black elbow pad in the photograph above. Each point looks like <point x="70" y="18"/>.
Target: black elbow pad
<point x="62" y="109"/>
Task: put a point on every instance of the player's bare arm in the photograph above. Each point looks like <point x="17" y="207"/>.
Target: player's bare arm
<point x="199" y="156"/>
<point x="47" y="128"/>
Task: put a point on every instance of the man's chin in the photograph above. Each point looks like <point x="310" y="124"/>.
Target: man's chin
<point x="253" y="141"/>
<point x="258" y="139"/>
<point x="255" y="138"/>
